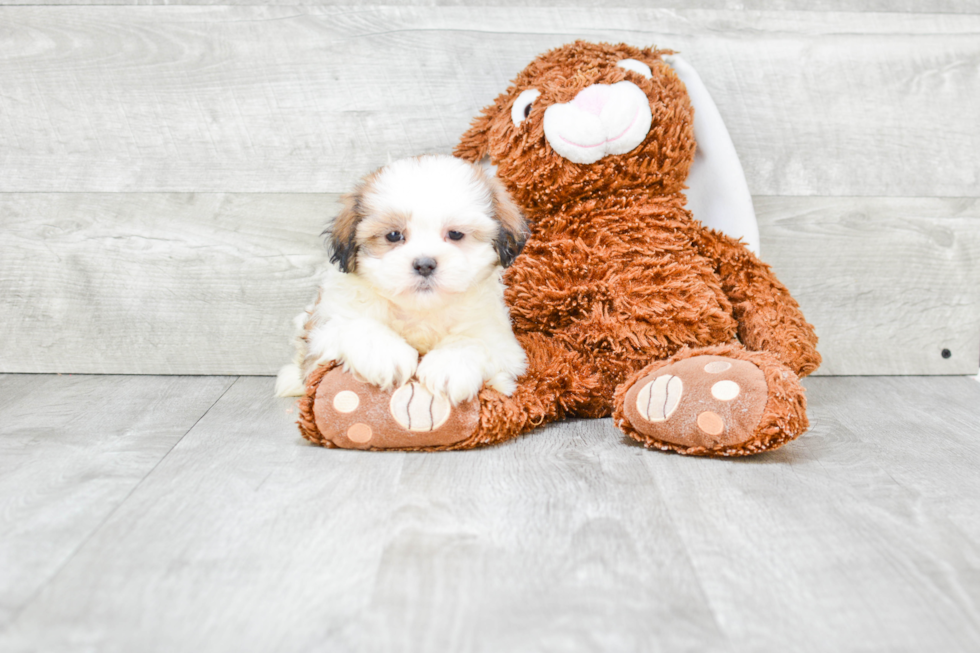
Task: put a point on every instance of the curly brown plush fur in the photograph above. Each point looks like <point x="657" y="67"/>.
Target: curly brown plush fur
<point x="618" y="279"/>
<point x="307" y="421"/>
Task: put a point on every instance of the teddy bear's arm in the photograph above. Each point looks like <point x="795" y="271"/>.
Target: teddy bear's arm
<point x="769" y="319"/>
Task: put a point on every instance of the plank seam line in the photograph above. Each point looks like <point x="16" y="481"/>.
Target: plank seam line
<point x="33" y="597"/>
<point x="709" y="602"/>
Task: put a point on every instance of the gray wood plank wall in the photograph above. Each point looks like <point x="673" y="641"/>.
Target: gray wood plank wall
<point x="910" y="6"/>
<point x="166" y="170"/>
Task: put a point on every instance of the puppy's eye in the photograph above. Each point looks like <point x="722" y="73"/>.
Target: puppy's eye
<point x="455" y="235"/>
<point x="521" y="108"/>
<point x="394" y="237"/>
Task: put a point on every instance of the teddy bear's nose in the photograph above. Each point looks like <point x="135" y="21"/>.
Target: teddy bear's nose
<point x="593" y="98"/>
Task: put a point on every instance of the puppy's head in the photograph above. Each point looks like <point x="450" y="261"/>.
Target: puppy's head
<point x="420" y="230"/>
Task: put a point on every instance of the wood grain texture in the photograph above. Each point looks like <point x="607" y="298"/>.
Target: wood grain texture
<point x="307" y="99"/>
<point x="209" y="283"/>
<point x="72" y="449"/>
<point x="889" y="283"/>
<point x="155" y="283"/>
<point x="248" y="539"/>
<point x="864" y="534"/>
<point x="912" y="6"/>
<point x="559" y="542"/>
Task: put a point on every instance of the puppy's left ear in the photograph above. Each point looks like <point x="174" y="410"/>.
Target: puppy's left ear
<point x="513" y="230"/>
<point x="342" y="232"/>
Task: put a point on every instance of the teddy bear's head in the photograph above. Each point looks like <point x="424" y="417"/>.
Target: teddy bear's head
<point x="586" y="118"/>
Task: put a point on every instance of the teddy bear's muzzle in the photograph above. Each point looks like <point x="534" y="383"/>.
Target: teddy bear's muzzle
<point x="601" y="120"/>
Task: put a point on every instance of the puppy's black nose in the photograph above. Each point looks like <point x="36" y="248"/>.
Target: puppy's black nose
<point x="424" y="265"/>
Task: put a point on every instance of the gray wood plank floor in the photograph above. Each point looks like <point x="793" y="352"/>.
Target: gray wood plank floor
<point x="186" y="514"/>
<point x="72" y="449"/>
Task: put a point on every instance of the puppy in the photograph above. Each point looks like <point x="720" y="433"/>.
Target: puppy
<point x="418" y="251"/>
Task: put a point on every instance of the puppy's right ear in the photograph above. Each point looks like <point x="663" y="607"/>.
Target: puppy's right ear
<point x="474" y="144"/>
<point x="342" y="232"/>
<point x="513" y="231"/>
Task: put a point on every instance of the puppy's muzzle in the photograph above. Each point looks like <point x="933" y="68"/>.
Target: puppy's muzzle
<point x="424" y="265"/>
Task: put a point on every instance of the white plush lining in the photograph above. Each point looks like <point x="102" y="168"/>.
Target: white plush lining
<point x="718" y="194"/>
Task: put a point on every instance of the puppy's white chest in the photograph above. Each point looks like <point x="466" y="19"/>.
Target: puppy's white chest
<point x="422" y="333"/>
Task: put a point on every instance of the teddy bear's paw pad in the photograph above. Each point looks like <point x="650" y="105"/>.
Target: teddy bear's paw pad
<point x="355" y="415"/>
<point x="705" y="401"/>
<point x="658" y="399"/>
<point x="417" y="409"/>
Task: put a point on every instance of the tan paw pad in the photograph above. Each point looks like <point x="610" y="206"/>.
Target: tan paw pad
<point x="725" y="390"/>
<point x="711" y="402"/>
<point x="658" y="399"/>
<point x="360" y="433"/>
<point x="346" y="401"/>
<point x="417" y="409"/>
<point x="711" y="423"/>
<point x="356" y="415"/>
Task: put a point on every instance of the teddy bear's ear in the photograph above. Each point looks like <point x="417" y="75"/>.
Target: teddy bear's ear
<point x="342" y="233"/>
<point x="513" y="230"/>
<point x="717" y="194"/>
<point x="474" y="143"/>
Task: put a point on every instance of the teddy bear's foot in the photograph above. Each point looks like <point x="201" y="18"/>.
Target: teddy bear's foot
<point x="717" y="402"/>
<point x="341" y="411"/>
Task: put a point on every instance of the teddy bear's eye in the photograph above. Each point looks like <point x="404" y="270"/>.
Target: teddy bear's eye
<point x="636" y="67"/>
<point x="394" y="236"/>
<point x="521" y="108"/>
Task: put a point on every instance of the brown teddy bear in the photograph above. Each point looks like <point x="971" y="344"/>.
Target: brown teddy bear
<point x="625" y="304"/>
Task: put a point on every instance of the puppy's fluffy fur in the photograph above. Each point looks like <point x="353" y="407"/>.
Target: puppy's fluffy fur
<point x="419" y="250"/>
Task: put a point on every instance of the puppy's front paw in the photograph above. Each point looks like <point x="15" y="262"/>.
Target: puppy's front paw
<point x="386" y="365"/>
<point x="455" y="373"/>
<point x="503" y="383"/>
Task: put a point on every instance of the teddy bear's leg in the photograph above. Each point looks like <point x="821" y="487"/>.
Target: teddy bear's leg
<point x="768" y="317"/>
<point x="713" y="401"/>
<point x="338" y="410"/>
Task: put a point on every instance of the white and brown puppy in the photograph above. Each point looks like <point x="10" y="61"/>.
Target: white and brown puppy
<point x="419" y="249"/>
